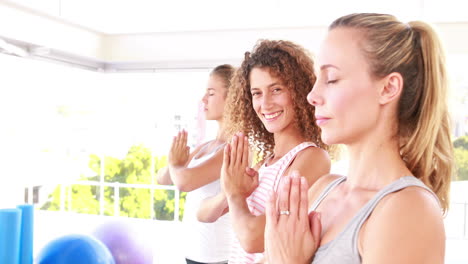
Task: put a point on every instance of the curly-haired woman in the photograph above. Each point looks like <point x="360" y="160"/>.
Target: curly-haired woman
<point x="268" y="108"/>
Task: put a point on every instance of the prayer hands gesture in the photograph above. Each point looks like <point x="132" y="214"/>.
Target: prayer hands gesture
<point x="292" y="235"/>
<point x="237" y="178"/>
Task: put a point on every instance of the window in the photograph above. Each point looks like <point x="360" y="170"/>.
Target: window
<point x="80" y="136"/>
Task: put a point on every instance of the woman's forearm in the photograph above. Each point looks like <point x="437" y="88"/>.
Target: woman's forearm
<point x="249" y="228"/>
<point x="164" y="177"/>
<point x="212" y="208"/>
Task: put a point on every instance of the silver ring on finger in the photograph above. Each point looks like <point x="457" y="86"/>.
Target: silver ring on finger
<point x="284" y="212"/>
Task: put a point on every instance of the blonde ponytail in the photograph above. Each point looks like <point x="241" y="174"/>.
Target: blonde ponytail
<point x="415" y="51"/>
<point x="428" y="149"/>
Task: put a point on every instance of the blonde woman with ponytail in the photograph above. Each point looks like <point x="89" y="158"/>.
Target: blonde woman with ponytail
<point x="381" y="91"/>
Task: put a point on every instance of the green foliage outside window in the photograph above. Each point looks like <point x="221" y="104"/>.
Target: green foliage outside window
<point x="134" y="168"/>
<point x="461" y="157"/>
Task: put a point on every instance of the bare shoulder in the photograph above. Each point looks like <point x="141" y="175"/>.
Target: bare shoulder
<point x="312" y="163"/>
<point x="317" y="188"/>
<point x="411" y="203"/>
<point x="412" y="223"/>
<point x="312" y="156"/>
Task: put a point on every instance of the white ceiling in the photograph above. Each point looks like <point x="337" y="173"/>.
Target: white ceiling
<point x="153" y="16"/>
<point x="144" y="35"/>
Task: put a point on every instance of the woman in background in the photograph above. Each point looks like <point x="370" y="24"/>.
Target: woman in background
<point x="198" y="172"/>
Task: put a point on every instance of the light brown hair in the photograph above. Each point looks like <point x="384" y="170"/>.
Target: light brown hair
<point x="414" y="51"/>
<point x="225" y="72"/>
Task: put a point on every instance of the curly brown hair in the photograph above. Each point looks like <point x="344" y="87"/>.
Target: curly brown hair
<point x="293" y="65"/>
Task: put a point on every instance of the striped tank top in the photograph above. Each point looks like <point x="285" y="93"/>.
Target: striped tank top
<point x="344" y="248"/>
<point x="269" y="177"/>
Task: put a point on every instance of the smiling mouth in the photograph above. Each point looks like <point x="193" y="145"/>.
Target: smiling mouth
<point x="273" y="116"/>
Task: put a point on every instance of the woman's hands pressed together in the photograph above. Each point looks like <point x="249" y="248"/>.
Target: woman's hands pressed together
<point x="292" y="235"/>
<point x="237" y="178"/>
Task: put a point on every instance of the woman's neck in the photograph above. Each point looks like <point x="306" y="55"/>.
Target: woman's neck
<point x="221" y="135"/>
<point x="285" y="141"/>
<point x="374" y="163"/>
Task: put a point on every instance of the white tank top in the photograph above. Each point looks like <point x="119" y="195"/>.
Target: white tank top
<point x="205" y="242"/>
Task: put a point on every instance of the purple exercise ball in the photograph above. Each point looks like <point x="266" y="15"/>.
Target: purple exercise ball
<point x="126" y="244"/>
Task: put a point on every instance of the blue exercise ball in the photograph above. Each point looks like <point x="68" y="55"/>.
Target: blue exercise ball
<point x="75" y="249"/>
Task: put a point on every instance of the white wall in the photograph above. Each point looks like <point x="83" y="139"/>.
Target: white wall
<point x="25" y="25"/>
<point x="189" y="49"/>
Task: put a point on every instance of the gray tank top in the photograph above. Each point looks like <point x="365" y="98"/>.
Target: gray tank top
<point x="344" y="249"/>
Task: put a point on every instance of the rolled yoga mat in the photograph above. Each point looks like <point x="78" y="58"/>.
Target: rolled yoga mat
<point x="10" y="229"/>
<point x="26" y="236"/>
